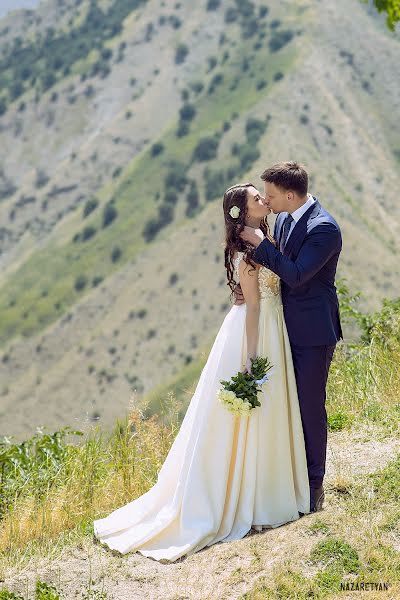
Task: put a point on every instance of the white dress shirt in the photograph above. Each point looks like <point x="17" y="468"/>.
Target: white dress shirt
<point x="299" y="212"/>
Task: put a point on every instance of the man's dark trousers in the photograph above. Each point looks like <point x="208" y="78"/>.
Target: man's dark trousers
<point x="311" y="367"/>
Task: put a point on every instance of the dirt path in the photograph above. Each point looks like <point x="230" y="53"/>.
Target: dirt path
<point x="223" y="571"/>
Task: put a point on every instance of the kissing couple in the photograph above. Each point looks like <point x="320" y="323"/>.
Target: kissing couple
<point x="226" y="473"/>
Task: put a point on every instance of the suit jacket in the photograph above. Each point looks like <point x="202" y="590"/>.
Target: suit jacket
<point x="307" y="270"/>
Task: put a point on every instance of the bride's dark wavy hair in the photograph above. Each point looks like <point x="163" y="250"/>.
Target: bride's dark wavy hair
<point x="236" y="195"/>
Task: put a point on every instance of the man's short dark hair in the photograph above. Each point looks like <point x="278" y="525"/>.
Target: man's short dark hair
<point x="289" y="176"/>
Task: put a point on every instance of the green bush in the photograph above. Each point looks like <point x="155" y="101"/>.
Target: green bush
<point x="197" y="87"/>
<point x="176" y="177"/>
<point x="216" y="182"/>
<point x="90" y="206"/>
<point x="157" y="149"/>
<point x="109" y="214"/>
<point x="206" y="149"/>
<point x="192" y="200"/>
<point x="255" y="129"/>
<point x="215" y="81"/>
<point x="80" y="282"/>
<point x="166" y="214"/>
<point x="181" y="53"/>
<point x="88" y="232"/>
<point x="170" y="197"/>
<point x="187" y="112"/>
<point x="280" y="39"/>
<point x="213" y="4"/>
<point x="183" y="129"/>
<point x="151" y="228"/>
<point x="231" y="15"/>
<point x="116" y="254"/>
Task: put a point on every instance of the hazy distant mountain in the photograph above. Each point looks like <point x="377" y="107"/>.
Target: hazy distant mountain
<point x="122" y="123"/>
<point x="8" y="5"/>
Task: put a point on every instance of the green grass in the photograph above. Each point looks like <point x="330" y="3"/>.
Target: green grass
<point x="355" y="548"/>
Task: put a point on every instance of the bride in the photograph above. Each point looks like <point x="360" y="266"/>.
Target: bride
<point x="225" y="473"/>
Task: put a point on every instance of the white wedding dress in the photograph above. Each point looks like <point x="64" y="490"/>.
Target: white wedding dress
<point x="225" y="473"/>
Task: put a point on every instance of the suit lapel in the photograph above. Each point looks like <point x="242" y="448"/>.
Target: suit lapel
<point x="299" y="231"/>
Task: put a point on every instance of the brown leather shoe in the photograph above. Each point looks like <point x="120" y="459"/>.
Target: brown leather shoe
<point x="317" y="496"/>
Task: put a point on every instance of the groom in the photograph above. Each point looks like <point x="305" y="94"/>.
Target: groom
<point x="309" y="243"/>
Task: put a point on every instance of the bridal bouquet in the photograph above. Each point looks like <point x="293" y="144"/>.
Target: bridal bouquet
<point x="239" y="394"/>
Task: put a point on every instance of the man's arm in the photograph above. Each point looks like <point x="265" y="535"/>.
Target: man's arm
<point x="318" y="247"/>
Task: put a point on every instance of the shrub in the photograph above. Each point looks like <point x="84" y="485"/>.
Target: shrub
<point x="216" y="80"/>
<point x="212" y="62"/>
<point x="181" y="53"/>
<point x="157" y="149"/>
<point x="175" y="21"/>
<point x="109" y="214"/>
<point x="280" y="39"/>
<point x="275" y="24"/>
<point x="41" y="178"/>
<point x="176" y="177"/>
<point x="248" y="154"/>
<point x="254" y="129"/>
<point x="116" y="254"/>
<point x="151" y="228"/>
<point x="183" y="129"/>
<point x="206" y="149"/>
<point x="170" y="197"/>
<point x="173" y="278"/>
<point x="166" y="214"/>
<point x="263" y="11"/>
<point x="187" y="112"/>
<point x="97" y="279"/>
<point x="231" y="15"/>
<point x="197" y="87"/>
<point x="80" y="282"/>
<point x="88" y="232"/>
<point x="261" y="84"/>
<point x="90" y="206"/>
<point x="216" y="183"/>
<point x="192" y="200"/>
<point x="249" y="28"/>
<point x="213" y="4"/>
<point x="278" y="76"/>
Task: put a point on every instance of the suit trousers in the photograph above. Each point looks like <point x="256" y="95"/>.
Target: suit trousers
<point x="311" y="367"/>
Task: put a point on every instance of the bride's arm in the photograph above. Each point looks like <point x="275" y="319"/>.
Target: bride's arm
<point x="248" y="278"/>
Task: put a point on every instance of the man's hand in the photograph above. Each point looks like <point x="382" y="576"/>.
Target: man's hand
<point x="239" y="298"/>
<point x="249" y="235"/>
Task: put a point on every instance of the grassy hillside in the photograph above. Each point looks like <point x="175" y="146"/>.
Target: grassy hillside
<point x="53" y="486"/>
<point x="114" y="159"/>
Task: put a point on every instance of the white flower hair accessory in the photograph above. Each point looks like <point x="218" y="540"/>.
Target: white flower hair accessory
<point x="234" y="212"/>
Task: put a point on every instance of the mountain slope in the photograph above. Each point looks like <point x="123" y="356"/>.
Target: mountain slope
<point x="310" y="82"/>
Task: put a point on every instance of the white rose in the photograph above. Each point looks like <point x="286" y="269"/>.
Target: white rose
<point x="234" y="212"/>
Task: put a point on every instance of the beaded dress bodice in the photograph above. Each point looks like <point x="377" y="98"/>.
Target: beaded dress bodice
<point x="269" y="283"/>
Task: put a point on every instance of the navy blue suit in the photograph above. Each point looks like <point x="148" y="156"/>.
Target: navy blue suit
<point x="307" y="270"/>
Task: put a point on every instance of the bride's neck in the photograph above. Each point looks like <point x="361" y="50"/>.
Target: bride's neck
<point x="253" y="223"/>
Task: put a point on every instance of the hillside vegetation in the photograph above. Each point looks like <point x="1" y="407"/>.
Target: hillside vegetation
<point x="121" y="125"/>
